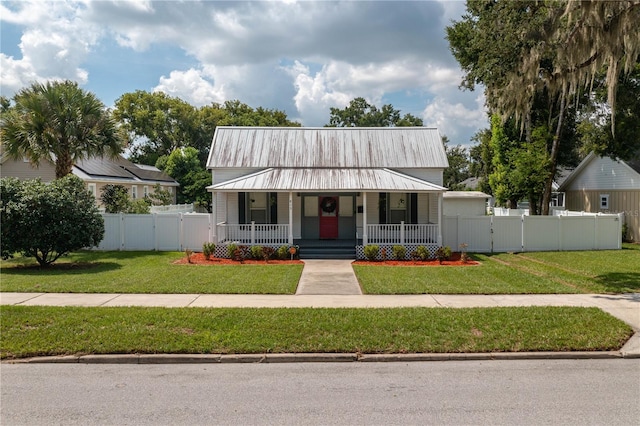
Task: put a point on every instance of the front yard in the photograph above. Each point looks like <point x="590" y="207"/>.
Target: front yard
<point x="613" y="271"/>
<point x="610" y="271"/>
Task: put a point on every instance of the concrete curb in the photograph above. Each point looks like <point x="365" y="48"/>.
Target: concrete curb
<point x="312" y="357"/>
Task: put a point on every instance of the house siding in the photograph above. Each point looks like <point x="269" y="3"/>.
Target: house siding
<point x="619" y="201"/>
<point x="24" y="170"/>
<point x="430" y="175"/>
<point x="223" y="175"/>
<point x="604" y="173"/>
<point x="423" y="208"/>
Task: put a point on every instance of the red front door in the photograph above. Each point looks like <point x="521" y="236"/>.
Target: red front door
<point x="328" y="218"/>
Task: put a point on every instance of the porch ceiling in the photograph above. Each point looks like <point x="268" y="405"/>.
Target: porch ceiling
<point x="325" y="179"/>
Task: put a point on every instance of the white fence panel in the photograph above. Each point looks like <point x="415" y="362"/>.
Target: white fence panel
<point x="475" y="231"/>
<point x="167" y="232"/>
<point x="138" y="232"/>
<point x="577" y="232"/>
<point x="507" y="233"/>
<point x="540" y="233"/>
<point x="609" y="232"/>
<point x="112" y="232"/>
<point x="196" y="229"/>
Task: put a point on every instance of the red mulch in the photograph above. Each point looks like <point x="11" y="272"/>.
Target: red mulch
<point x="453" y="261"/>
<point x="198" y="259"/>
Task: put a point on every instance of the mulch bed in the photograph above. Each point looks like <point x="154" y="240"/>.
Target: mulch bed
<point x="198" y="259"/>
<point x="454" y="260"/>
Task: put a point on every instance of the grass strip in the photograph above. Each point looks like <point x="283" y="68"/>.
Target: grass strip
<point x="35" y="331"/>
<point x="145" y="272"/>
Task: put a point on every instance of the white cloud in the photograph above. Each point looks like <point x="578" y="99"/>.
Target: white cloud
<point x="456" y="120"/>
<point x="192" y="86"/>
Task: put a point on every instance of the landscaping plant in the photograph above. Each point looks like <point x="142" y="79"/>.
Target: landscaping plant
<point x="422" y="252"/>
<point x="399" y="252"/>
<point x="443" y="253"/>
<point x="371" y="251"/>
<point x="208" y="249"/>
<point x="257" y="252"/>
<point x="46" y="221"/>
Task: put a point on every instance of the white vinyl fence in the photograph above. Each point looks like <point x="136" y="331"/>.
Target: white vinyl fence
<point x="162" y="232"/>
<point x="487" y="234"/>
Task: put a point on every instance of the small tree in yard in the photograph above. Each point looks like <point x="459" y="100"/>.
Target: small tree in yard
<point x="47" y="221"/>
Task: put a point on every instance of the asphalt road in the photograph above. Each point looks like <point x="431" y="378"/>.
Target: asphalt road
<point x="580" y="392"/>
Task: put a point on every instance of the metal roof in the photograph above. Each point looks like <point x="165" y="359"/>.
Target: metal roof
<point x="330" y="147"/>
<point x="297" y="179"/>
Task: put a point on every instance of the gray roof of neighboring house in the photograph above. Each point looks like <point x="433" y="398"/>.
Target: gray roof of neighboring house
<point x="327" y="147"/>
<point x="346" y="179"/>
<point x="121" y="168"/>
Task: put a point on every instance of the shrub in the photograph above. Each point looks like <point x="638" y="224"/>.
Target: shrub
<point x="464" y="257"/>
<point x="257" y="252"/>
<point x="231" y="250"/>
<point x="283" y="252"/>
<point x="443" y="253"/>
<point x="399" y="252"/>
<point x="422" y="252"/>
<point x="47" y="221"/>
<point x="115" y="198"/>
<point x="267" y="253"/>
<point x="208" y="249"/>
<point x="371" y="251"/>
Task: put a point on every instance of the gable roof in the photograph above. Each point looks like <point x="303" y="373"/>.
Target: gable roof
<point x="345" y="179"/>
<point x="121" y="168"/>
<point x="633" y="165"/>
<point x="327" y="147"/>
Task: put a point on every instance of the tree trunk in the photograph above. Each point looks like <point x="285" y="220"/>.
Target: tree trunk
<point x="64" y="164"/>
<point x="546" y="195"/>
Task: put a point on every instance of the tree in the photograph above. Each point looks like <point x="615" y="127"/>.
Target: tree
<point x="159" y="196"/>
<point x="360" y="113"/>
<point x="529" y="51"/>
<point x="47" y="221"/>
<point x="183" y="165"/>
<point x="458" y="169"/>
<point x="61" y="123"/>
<point x="159" y="124"/>
<point x="115" y="198"/>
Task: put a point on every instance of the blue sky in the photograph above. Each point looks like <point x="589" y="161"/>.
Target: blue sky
<point x="303" y="57"/>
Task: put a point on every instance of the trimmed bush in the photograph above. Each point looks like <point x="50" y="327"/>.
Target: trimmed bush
<point x="371" y="251"/>
<point x="283" y="252"/>
<point x="208" y="249"/>
<point x="399" y="252"/>
<point x="443" y="253"/>
<point x="257" y="252"/>
<point x="422" y="252"/>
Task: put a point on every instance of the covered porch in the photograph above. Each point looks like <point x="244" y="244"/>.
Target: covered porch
<point x="328" y="208"/>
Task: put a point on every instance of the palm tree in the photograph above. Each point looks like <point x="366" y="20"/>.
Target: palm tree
<point x="61" y="123"/>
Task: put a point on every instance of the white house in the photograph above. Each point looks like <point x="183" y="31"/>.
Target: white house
<point x="327" y="188"/>
<point x="601" y="184"/>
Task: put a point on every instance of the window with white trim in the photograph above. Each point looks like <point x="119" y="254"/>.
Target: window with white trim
<point x="604" y="201"/>
<point x="134" y="191"/>
<point x="145" y="191"/>
<point x="92" y="189"/>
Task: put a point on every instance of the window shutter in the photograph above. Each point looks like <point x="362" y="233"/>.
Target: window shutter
<point x="413" y="206"/>
<point x="273" y="205"/>
<point x="242" y="207"/>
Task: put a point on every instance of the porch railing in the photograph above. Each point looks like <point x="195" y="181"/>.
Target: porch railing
<point x="402" y="234"/>
<point x="253" y="234"/>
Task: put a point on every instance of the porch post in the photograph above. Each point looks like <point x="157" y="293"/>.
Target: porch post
<point x="365" y="236"/>
<point x="440" y="195"/>
<point x="290" y="218"/>
<point x="214" y="219"/>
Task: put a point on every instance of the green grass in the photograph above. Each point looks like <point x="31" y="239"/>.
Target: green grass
<point x="145" y="272"/>
<point x="35" y="331"/>
<point x="610" y="271"/>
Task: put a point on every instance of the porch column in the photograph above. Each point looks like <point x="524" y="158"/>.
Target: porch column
<point x="365" y="236"/>
<point x="290" y="218"/>
<point x="214" y="218"/>
<point x="440" y="195"/>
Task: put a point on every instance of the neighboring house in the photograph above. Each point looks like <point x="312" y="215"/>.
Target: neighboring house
<point x="601" y="184"/>
<point x="328" y="187"/>
<point x="139" y="180"/>
<point x="465" y="203"/>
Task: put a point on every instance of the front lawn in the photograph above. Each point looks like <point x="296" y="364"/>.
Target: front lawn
<point x="609" y="271"/>
<point x="145" y="272"/>
<point x="35" y="331"/>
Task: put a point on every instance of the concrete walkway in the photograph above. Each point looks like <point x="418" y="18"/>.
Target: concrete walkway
<point x="328" y="277"/>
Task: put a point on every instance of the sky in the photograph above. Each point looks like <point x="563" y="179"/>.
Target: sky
<point x="302" y="57"/>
